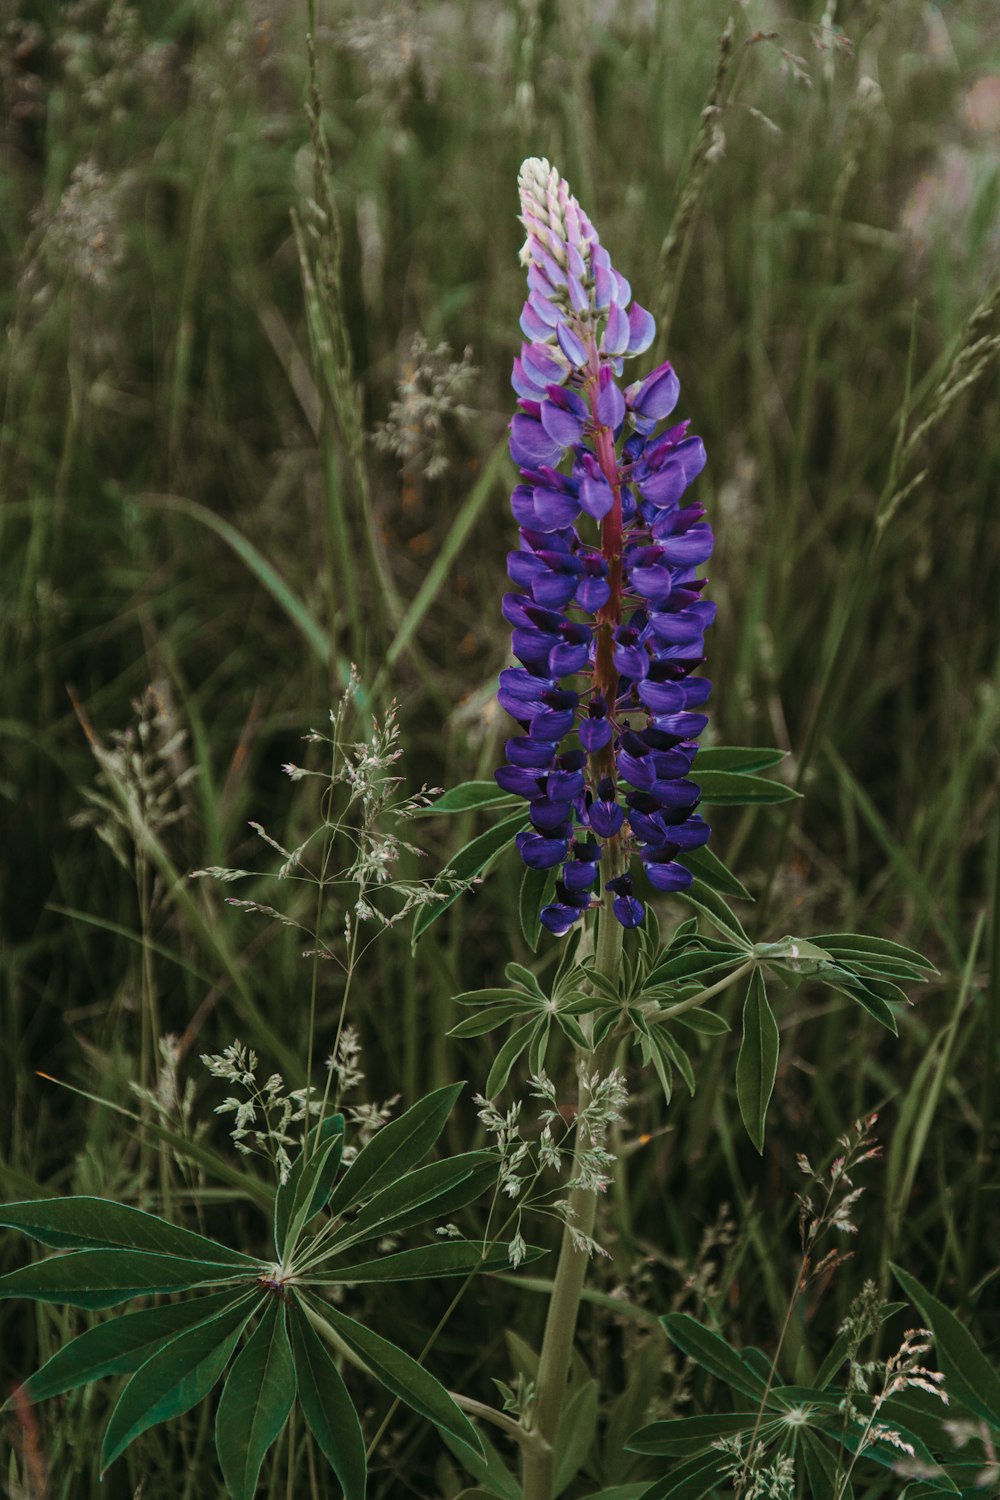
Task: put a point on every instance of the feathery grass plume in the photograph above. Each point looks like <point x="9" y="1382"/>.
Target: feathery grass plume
<point x="611" y="542"/>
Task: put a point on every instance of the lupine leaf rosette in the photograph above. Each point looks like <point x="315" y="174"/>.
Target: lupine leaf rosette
<point x="609" y="626"/>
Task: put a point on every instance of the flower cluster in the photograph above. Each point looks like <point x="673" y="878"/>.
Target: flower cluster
<point x="610" y="626"/>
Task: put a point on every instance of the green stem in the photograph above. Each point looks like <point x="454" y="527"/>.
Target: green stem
<point x="538" y="1468"/>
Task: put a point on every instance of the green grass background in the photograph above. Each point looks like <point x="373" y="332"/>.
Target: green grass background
<point x="189" y="497"/>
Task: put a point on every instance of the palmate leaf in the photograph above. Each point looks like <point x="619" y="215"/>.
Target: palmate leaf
<point x="711" y="905"/>
<point x="537" y="890"/>
<point x="757" y="1064"/>
<point x="686" y="1437"/>
<point x="507" y="1056"/>
<point x="309" y="1190"/>
<point x="103" y="1278"/>
<point x="327" y="1406"/>
<point x="471" y="860"/>
<point x="710" y="868"/>
<point x="739" y="758"/>
<point x="323" y="1172"/>
<point x="575" y="1434"/>
<point x="429" y="1192"/>
<point x="969" y="1376"/>
<point x="736" y="789"/>
<point x="446" y="1258"/>
<point x="488" y="1468"/>
<point x="120" y="1345"/>
<point x="397" y="1147"/>
<point x="255" y="1401"/>
<point x="691" y="1481"/>
<point x="403" y="1376"/>
<point x="179" y="1375"/>
<point x="466" y="797"/>
<point x="713" y="1354"/>
<point x="98" y="1223"/>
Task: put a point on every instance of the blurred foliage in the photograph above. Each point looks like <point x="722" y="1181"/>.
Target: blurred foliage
<point x="205" y="333"/>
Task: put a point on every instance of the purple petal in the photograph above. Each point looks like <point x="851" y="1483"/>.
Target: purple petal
<point x="623" y="292"/>
<point x="691" y="834"/>
<point x="559" y="918"/>
<point x="610" y="402"/>
<point x="526" y="385"/>
<point x="571" y="346"/>
<point x="578" y="299"/>
<point x="658" y="393"/>
<point x="690" y="549"/>
<point x="539" y="853"/>
<point x="604" y="286"/>
<point x="596" y="495"/>
<point x="629" y="911"/>
<point x="528" y="754"/>
<point x="533" y="325"/>
<point x="530" y="444"/>
<point x="642" y="329"/>
<point x="546" y="310"/>
<point x="549" y="816"/>
<point x="539" y="360"/>
<point x="594" y="735"/>
<point x="522" y="782"/>
<point x="662" y="697"/>
<point x="666" y="875"/>
<point x="616" y="331"/>
<point x="542" y="509"/>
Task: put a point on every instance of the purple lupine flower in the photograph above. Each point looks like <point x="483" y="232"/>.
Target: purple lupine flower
<point x="609" y="628"/>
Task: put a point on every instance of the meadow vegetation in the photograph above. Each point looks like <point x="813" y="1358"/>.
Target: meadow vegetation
<point x="260" y="324"/>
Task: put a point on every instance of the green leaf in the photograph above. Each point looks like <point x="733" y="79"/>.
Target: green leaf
<point x="506" y="1058"/>
<point x="395" y="1148"/>
<point x="486" y="1020"/>
<point x="711" y="905"/>
<point x="621" y="1492"/>
<point x="321" y="1165"/>
<point x="490" y="1469"/>
<point x="856" y="942"/>
<point x="466" y="864"/>
<point x="691" y="1481"/>
<point x="969" y="1375"/>
<point x="856" y="989"/>
<point x="704" y="1021"/>
<point x="537" y="890"/>
<point x="100" y="1223"/>
<point x="403" y="1377"/>
<point x="575" y="1434"/>
<point x="177" y="1377"/>
<point x="102" y="1278"/>
<point x="510" y="995"/>
<point x="328" y="1408"/>
<point x="465" y="797"/>
<point x="713" y="872"/>
<point x="694" y="964"/>
<point x="255" y="1402"/>
<point x="733" y="789"/>
<point x="822" y="1467"/>
<point x="684" y="1437"/>
<point x="738" y="758"/>
<point x="121" y="1345"/>
<point x="677" y="1055"/>
<point x="416" y="1196"/>
<point x="309" y="1187"/>
<point x="758" y="1060"/>
<point x="712" y="1353"/>
<point x="445" y="1258"/>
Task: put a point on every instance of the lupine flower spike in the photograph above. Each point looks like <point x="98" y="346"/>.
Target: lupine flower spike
<point x="610" y="626"/>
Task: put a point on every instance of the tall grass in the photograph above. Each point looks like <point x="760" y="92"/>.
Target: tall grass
<point x="214" y="268"/>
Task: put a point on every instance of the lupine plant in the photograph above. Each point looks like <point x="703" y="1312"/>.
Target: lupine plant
<point x="599" y="796"/>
